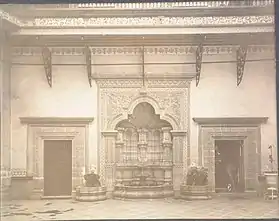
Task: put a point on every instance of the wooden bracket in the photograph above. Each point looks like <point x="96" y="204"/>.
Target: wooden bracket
<point x="240" y="62"/>
<point x="46" y="53"/>
<point x="87" y="52"/>
<point x="199" y="53"/>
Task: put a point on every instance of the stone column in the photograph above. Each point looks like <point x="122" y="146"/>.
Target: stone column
<point x="107" y="160"/>
<point x="142" y="145"/>
<point x="5" y="87"/>
<point x="179" y="159"/>
<point x="119" y="145"/>
<point x="167" y="159"/>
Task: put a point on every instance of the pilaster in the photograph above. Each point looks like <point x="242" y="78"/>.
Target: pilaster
<point x="5" y="112"/>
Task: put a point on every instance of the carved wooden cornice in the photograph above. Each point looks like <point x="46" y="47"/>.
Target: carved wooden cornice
<point x="159" y="21"/>
<point x="230" y="120"/>
<point x="56" y="120"/>
<point x="168" y="50"/>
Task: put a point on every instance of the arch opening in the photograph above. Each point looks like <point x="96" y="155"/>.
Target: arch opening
<point x="145" y="154"/>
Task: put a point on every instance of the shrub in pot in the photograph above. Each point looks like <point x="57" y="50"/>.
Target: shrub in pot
<point x="196" y="186"/>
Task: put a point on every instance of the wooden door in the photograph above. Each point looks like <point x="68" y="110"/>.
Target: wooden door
<point x="57" y="167"/>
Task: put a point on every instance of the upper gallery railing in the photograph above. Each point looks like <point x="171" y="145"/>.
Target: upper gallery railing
<point x="165" y="5"/>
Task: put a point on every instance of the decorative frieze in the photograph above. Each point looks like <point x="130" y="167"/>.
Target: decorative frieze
<point x="159" y="21"/>
<point x="151" y="5"/>
<point x="163" y="50"/>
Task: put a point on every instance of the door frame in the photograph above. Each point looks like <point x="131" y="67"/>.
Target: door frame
<point x="241" y="148"/>
<point x="43" y="157"/>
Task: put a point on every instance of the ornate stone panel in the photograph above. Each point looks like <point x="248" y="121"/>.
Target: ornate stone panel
<point x="208" y="134"/>
<point x="118" y="98"/>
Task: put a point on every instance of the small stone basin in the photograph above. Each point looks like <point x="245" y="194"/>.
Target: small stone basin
<point x="143" y="192"/>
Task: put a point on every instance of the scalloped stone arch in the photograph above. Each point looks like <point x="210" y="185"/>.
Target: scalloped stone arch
<point x="136" y="102"/>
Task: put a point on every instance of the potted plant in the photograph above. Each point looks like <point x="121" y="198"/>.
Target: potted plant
<point x="271" y="174"/>
<point x="91" y="190"/>
<point x="196" y="186"/>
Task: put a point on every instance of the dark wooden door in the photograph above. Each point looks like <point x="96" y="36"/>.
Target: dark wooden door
<point x="57" y="167"/>
<point x="229" y="154"/>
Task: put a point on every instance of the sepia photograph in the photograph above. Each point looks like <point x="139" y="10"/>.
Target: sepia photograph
<point x="138" y="110"/>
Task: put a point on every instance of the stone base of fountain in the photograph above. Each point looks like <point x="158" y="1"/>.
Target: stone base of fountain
<point x="143" y="192"/>
<point x="90" y="194"/>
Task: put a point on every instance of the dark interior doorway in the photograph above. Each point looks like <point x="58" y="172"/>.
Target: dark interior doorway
<point x="229" y="166"/>
<point x="57" y="168"/>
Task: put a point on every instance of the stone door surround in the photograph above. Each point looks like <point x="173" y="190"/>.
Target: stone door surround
<point x="56" y="128"/>
<point x="236" y="128"/>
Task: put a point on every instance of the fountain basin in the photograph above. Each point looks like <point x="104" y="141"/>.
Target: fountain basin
<point x="90" y="194"/>
<point x="143" y="192"/>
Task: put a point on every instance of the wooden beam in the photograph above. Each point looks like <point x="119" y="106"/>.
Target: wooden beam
<point x="240" y="63"/>
<point x="46" y="53"/>
<point x="87" y="53"/>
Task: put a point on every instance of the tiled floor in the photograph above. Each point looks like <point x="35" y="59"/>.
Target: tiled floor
<point x="128" y="209"/>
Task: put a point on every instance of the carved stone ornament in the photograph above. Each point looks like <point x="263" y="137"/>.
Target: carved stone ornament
<point x="118" y="99"/>
<point x="168" y="50"/>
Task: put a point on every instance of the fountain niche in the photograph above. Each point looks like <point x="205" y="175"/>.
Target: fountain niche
<point x="144" y="156"/>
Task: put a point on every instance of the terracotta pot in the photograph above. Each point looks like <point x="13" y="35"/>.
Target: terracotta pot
<point x="194" y="192"/>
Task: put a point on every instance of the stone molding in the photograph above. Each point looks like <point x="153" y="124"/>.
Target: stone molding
<point x="56" y="120"/>
<point x="167" y="50"/>
<point x="230" y="121"/>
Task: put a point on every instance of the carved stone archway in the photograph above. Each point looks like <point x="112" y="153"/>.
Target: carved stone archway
<point x="118" y="99"/>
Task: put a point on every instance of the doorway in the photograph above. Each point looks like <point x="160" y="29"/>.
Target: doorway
<point x="229" y="166"/>
<point x="57" y="168"/>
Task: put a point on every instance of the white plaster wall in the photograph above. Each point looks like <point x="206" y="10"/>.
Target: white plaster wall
<point x="70" y="96"/>
<point x="218" y="96"/>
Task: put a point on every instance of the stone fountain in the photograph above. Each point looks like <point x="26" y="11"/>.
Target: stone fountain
<point x="142" y="176"/>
